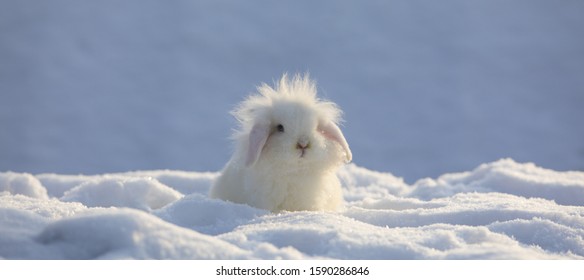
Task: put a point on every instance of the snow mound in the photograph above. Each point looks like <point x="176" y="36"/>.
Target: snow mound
<point x="500" y="210"/>
<point x="507" y="176"/>
<point x="125" y="233"/>
<point x="25" y="184"/>
<point x="58" y="184"/>
<point x="194" y="212"/>
<point x="139" y="193"/>
<point x="47" y="208"/>
<point x="339" y="237"/>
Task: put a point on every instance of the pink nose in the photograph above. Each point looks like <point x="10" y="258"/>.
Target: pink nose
<point x="303" y="144"/>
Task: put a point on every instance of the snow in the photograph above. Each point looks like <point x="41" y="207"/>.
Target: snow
<point x="464" y="119"/>
<point x="499" y="210"/>
<point x="24" y="184"/>
<point x="139" y="193"/>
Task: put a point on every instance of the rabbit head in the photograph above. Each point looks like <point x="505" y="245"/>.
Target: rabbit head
<point x="288" y="126"/>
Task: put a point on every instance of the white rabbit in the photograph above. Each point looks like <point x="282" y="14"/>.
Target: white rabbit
<point x="289" y="147"/>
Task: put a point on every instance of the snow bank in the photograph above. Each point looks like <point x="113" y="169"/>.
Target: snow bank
<point x="140" y="193"/>
<point x="506" y="176"/>
<point x="125" y="233"/>
<point x="25" y="184"/>
<point x="500" y="210"/>
<point x="210" y="216"/>
<point x="339" y="237"/>
<point x="22" y="218"/>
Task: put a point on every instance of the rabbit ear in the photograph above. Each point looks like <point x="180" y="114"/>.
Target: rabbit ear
<point x="257" y="139"/>
<point x="332" y="132"/>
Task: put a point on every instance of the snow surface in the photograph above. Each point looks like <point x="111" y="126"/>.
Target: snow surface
<point x="500" y="210"/>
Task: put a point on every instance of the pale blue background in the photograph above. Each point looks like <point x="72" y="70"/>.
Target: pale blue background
<point x="427" y="87"/>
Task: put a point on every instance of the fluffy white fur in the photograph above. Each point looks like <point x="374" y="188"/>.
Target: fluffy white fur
<point x="289" y="147"/>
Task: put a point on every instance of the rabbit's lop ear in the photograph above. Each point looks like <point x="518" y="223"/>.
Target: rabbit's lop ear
<point x="257" y="139"/>
<point x="332" y="132"/>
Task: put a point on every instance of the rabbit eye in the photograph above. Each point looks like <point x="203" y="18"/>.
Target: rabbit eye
<point x="280" y="128"/>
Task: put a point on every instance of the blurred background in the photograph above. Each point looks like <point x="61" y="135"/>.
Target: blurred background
<point x="427" y="87"/>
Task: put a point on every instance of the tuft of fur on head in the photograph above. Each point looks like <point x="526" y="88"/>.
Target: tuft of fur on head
<point x="300" y="90"/>
<point x="288" y="148"/>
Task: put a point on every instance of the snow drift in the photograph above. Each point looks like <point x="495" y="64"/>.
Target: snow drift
<point x="500" y="210"/>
